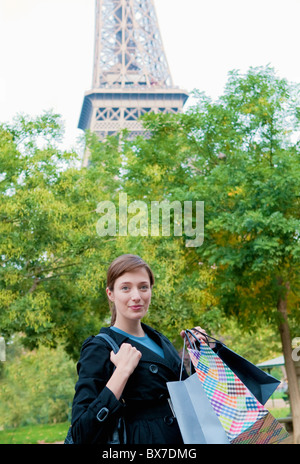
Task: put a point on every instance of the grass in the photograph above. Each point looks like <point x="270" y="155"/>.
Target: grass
<point x="35" y="434"/>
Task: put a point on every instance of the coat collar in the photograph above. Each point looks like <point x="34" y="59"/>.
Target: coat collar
<point x="171" y="358"/>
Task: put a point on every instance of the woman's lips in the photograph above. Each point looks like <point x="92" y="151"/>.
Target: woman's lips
<point x="136" y="307"/>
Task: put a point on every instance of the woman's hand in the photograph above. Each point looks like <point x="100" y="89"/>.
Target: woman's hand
<point x="125" y="361"/>
<point x="127" y="358"/>
<point x="197" y="334"/>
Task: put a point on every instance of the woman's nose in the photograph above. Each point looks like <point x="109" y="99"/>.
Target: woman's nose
<point x="135" y="295"/>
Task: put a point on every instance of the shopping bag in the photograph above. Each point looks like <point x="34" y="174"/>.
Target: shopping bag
<point x="197" y="421"/>
<point x="261" y="384"/>
<point x="243" y="417"/>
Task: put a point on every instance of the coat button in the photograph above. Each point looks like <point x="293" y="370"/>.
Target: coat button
<point x="168" y="420"/>
<point x="153" y="368"/>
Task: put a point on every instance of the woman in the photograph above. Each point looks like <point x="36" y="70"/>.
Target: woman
<point x="131" y="383"/>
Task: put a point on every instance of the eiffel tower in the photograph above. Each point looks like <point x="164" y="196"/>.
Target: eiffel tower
<point x="131" y="75"/>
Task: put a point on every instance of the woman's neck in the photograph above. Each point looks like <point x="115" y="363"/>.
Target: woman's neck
<point x="130" y="327"/>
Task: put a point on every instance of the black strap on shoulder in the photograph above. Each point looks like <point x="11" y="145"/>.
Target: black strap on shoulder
<point x="110" y="341"/>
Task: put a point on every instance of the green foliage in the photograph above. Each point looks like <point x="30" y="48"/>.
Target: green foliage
<point x="257" y="345"/>
<point x="53" y="263"/>
<point x="45" y="237"/>
<point x="239" y="154"/>
<point x="36" y="387"/>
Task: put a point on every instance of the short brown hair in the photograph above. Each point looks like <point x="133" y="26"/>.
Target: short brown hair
<point x="121" y="265"/>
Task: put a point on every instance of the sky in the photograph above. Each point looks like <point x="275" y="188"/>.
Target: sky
<point x="47" y="47"/>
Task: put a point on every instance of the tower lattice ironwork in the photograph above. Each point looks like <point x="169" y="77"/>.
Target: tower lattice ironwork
<point x="131" y="75"/>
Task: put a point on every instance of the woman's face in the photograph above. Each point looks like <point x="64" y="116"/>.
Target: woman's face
<point x="131" y="295"/>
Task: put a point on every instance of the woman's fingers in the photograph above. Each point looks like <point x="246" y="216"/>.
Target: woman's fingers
<point x="127" y="356"/>
<point x="200" y="336"/>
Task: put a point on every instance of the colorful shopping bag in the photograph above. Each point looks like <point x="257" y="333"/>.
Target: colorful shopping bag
<point x="244" y="419"/>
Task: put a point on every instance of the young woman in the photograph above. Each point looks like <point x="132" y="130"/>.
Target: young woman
<point x="131" y="383"/>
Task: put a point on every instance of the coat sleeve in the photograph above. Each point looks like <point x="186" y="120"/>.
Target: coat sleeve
<point x="94" y="405"/>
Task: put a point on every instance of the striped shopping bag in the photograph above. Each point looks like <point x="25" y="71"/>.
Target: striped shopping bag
<point x="244" y="419"/>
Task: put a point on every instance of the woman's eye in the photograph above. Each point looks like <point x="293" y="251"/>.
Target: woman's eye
<point x="125" y="287"/>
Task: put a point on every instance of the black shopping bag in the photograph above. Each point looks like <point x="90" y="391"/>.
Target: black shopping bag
<point x="261" y="384"/>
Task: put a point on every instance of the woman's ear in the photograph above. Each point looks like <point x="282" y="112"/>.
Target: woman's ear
<point x="110" y="294"/>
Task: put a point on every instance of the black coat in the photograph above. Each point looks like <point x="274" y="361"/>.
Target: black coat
<point x="144" y="402"/>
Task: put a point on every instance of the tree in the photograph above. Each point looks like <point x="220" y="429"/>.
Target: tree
<point x="53" y="261"/>
<point x="36" y="386"/>
<point x="41" y="243"/>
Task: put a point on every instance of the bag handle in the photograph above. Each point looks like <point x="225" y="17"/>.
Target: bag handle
<point x="192" y="344"/>
<point x="209" y="336"/>
<point x="110" y="341"/>
<point x="191" y="341"/>
<point x="182" y="359"/>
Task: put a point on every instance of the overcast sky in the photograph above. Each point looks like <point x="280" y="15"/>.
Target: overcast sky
<point x="46" y="49"/>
